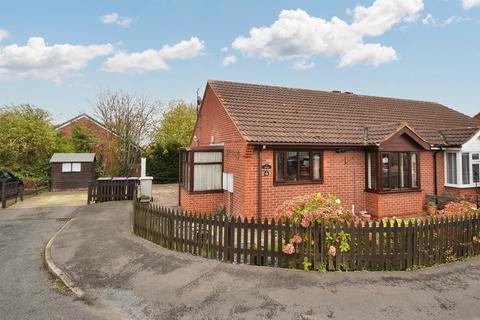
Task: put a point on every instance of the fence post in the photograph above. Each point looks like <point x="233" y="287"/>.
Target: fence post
<point x="4" y="194"/>
<point x="89" y="194"/>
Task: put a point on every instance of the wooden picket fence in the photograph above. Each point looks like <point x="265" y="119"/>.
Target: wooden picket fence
<point x="10" y="190"/>
<point x="112" y="190"/>
<point x="373" y="246"/>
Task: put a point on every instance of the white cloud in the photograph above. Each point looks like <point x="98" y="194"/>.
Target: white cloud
<point x="303" y="65"/>
<point x="115" y="18"/>
<point x="429" y="20"/>
<point x="297" y="35"/>
<point x="185" y="49"/>
<point x="382" y="15"/>
<point x="3" y="34"/>
<point x="152" y="59"/>
<point x="468" y="4"/>
<point x="229" y="60"/>
<point x="371" y="53"/>
<point x="224" y="49"/>
<point x="455" y="19"/>
<point x="40" y="61"/>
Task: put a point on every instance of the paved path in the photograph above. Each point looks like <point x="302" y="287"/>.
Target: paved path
<point x="26" y="289"/>
<point x="53" y="199"/>
<point x="143" y="281"/>
<point x="165" y="195"/>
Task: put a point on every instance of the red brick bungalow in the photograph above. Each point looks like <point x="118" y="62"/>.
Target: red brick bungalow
<point x="255" y="146"/>
<point x="107" y="139"/>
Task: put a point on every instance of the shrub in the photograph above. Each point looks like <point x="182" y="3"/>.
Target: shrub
<point x="306" y="209"/>
<point x="455" y="208"/>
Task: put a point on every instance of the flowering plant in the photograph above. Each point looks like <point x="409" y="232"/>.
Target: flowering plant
<point x="306" y="209"/>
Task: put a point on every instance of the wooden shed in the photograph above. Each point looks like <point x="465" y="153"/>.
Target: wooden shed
<point x="72" y="170"/>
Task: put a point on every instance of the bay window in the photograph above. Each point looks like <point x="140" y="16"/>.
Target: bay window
<point x="398" y="171"/>
<point x="462" y="169"/>
<point x="201" y="170"/>
<point x="451" y="168"/>
<point x="298" y="166"/>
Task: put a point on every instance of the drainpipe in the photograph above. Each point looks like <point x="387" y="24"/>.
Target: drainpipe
<point x="259" y="184"/>
<point x="435" y="179"/>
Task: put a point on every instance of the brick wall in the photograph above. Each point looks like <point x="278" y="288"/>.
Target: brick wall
<point x="408" y="203"/>
<point x="200" y="202"/>
<point x="215" y="126"/>
<point x="344" y="176"/>
<point x="467" y="193"/>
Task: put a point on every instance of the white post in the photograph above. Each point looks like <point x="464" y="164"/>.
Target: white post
<point x="143" y="167"/>
<point x="145" y="182"/>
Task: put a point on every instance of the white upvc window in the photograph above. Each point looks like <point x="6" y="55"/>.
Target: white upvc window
<point x="462" y="169"/>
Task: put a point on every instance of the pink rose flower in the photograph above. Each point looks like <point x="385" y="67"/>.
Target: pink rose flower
<point x="297" y="239"/>
<point x="332" y="251"/>
<point x="289" y="249"/>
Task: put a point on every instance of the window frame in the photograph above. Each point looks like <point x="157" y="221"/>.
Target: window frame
<point x="70" y="166"/>
<point x="378" y="155"/>
<point x="190" y="160"/>
<point x="79" y="166"/>
<point x="311" y="180"/>
<point x="459" y="168"/>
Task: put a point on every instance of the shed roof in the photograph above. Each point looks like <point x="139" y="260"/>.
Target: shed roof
<point x="269" y="114"/>
<point x="72" y="157"/>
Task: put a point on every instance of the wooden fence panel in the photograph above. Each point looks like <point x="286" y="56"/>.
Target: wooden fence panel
<point x="373" y="246"/>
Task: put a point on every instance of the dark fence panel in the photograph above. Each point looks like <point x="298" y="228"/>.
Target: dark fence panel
<point x="10" y="190"/>
<point x="372" y="246"/>
<point x="111" y="190"/>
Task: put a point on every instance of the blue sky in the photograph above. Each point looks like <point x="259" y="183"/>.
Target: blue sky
<point x="59" y="54"/>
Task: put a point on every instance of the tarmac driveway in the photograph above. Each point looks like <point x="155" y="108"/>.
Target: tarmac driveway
<point x="26" y="289"/>
<point x="144" y="281"/>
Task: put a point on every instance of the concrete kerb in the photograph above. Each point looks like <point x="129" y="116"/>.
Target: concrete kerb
<point x="56" y="271"/>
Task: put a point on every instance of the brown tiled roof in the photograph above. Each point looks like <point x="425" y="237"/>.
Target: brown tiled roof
<point x="458" y="136"/>
<point x="269" y="114"/>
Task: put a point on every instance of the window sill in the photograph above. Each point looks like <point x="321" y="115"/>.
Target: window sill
<point x="394" y="191"/>
<point x="296" y="183"/>
<point x="461" y="186"/>
<point x="202" y="192"/>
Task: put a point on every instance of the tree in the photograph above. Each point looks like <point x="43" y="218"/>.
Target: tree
<point x="175" y="130"/>
<point x="28" y="140"/>
<point x="132" y="118"/>
<point x="83" y="140"/>
<point x="176" y="126"/>
<point x="162" y="163"/>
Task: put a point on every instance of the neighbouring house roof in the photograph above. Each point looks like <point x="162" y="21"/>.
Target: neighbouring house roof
<point x="458" y="136"/>
<point x="96" y="122"/>
<point x="72" y="157"/>
<point x="85" y="116"/>
<point x="269" y="114"/>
